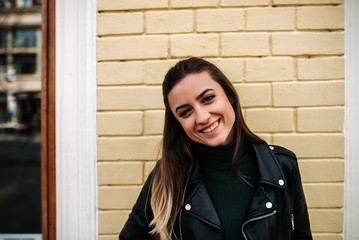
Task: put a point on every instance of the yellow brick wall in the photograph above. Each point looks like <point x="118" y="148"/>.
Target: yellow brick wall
<point x="285" y="58"/>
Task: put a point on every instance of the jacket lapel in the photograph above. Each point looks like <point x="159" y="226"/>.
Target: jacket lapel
<point x="270" y="173"/>
<point x="268" y="167"/>
<point x="198" y="200"/>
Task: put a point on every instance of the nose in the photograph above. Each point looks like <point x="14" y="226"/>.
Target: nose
<point x="202" y="116"/>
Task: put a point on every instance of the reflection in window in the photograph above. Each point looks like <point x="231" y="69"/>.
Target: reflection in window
<point x="2" y="64"/>
<point x="3" y="110"/>
<point x="24" y="3"/>
<point x="24" y="38"/>
<point x="3" y="38"/>
<point x="7" y="3"/>
<point x="24" y="63"/>
<point x="20" y="166"/>
<point x="20" y="121"/>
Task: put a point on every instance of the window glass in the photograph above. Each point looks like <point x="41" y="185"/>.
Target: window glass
<point x="20" y="163"/>
<point x="2" y="65"/>
<point x="7" y="3"/>
<point x="24" y="38"/>
<point x="24" y="63"/>
<point x="20" y="121"/>
<point x="3" y="38"/>
<point x="36" y="2"/>
<point x="24" y="3"/>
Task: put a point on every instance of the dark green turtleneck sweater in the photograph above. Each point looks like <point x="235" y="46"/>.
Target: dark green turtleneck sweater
<point x="230" y="195"/>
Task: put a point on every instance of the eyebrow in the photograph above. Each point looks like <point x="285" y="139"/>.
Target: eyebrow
<point x="197" y="98"/>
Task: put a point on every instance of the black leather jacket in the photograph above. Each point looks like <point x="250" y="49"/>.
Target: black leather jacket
<point x="277" y="211"/>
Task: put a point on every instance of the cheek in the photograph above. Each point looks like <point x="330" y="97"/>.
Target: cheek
<point x="231" y="114"/>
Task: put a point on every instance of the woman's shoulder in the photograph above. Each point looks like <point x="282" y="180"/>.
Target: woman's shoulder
<point x="286" y="159"/>
<point x="282" y="151"/>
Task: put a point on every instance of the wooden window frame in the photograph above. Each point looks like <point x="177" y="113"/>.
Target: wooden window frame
<point x="48" y="122"/>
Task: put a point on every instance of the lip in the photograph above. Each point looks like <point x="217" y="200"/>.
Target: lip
<point x="210" y="125"/>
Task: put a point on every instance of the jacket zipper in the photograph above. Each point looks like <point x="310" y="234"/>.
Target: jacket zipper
<point x="255" y="219"/>
<point x="292" y="219"/>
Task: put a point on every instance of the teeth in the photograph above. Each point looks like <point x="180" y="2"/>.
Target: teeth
<point x="210" y="129"/>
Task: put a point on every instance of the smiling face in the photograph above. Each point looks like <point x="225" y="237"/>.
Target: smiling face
<point x="203" y="109"/>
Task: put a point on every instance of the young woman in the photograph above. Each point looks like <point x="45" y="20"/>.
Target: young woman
<point x="216" y="179"/>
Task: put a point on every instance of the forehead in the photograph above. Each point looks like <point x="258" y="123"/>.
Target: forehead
<point x="193" y="85"/>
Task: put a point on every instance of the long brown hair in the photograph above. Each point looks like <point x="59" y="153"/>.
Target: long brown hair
<point x="174" y="169"/>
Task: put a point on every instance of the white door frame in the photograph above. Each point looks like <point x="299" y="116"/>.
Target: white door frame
<point x="76" y="183"/>
<point x="351" y="126"/>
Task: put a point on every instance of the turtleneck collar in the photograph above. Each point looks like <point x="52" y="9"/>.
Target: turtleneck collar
<point x="219" y="157"/>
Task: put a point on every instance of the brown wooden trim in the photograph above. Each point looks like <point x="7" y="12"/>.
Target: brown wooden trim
<point x="48" y="127"/>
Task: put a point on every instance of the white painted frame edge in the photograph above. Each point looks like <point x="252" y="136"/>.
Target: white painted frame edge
<point x="76" y="173"/>
<point x="351" y="127"/>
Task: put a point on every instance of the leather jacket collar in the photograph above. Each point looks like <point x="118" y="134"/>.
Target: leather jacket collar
<point x="269" y="170"/>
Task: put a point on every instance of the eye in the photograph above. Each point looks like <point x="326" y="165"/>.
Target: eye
<point x="208" y="98"/>
<point x="185" y="113"/>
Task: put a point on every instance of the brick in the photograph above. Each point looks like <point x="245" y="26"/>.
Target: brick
<point x="190" y="3"/>
<point x="307" y="43"/>
<point x="308" y="93"/>
<point x="322" y="170"/>
<point x="312" y="145"/>
<point x="269" y="69"/>
<point x="194" y="45"/>
<point x="125" y="23"/>
<point x="132" y="47"/>
<point x="252" y="95"/>
<point x="320" y="18"/>
<point x="103" y="5"/>
<point x="118" y="197"/>
<point x="154" y="122"/>
<point x="148" y="168"/>
<point x="270" y="120"/>
<point x="326" y="220"/>
<point x="163" y="21"/>
<point x="123" y="123"/>
<point x="231" y="67"/>
<point x="155" y="71"/>
<point x="320" y="119"/>
<point x="245" y="44"/>
<point x="228" y="3"/>
<point x="321" y="68"/>
<point x="109" y="237"/>
<point x="220" y="20"/>
<point x="134" y="97"/>
<point x="327" y="236"/>
<point x="328" y="195"/>
<point x="120" y="173"/>
<point x="128" y="148"/>
<point x="111" y="221"/>
<point x="270" y="18"/>
<point x="265" y="137"/>
<point x="120" y="73"/>
<point x="301" y="2"/>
